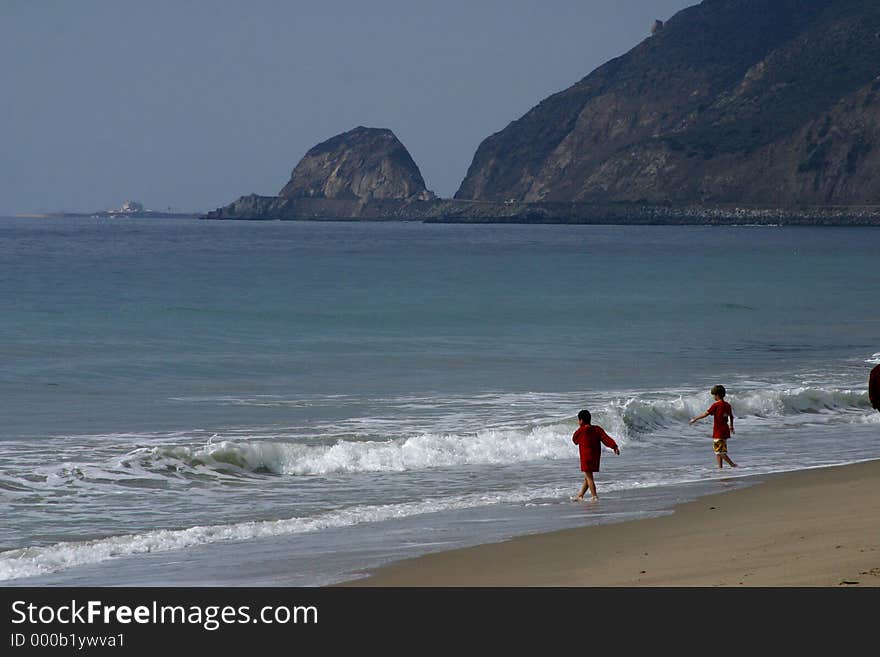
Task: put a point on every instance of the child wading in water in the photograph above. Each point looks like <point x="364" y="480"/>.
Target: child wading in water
<point x="588" y="438"/>
<point x="722" y="412"/>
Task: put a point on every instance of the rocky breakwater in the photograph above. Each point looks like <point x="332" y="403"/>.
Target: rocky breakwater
<point x="365" y="173"/>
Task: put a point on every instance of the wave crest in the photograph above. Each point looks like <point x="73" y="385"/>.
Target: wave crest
<point x="639" y="415"/>
<point x="625" y="419"/>
<point x="489" y="447"/>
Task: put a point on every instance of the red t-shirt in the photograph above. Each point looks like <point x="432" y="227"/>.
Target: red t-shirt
<point x="588" y="439"/>
<point x="720" y="410"/>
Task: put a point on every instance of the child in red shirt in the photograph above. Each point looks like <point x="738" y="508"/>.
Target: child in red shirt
<point x="588" y="438"/>
<point x="722" y="412"/>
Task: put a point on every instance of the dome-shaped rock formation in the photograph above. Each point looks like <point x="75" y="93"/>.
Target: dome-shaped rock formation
<point x="363" y="164"/>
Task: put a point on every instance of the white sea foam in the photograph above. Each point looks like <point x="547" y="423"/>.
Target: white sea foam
<point x="41" y="560"/>
<point x="638" y="418"/>
<point x="638" y="415"/>
<point x="32" y="561"/>
<point x="874" y="359"/>
<point x="397" y="455"/>
<point x="625" y="419"/>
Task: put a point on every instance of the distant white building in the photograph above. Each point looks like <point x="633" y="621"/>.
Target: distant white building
<point x="131" y="206"/>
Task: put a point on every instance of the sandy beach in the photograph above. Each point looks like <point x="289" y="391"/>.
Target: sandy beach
<point x="817" y="527"/>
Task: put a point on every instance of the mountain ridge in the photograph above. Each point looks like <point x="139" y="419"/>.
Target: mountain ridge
<point x="688" y="113"/>
<point x="732" y="110"/>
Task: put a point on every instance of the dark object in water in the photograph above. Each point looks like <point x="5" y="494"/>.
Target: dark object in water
<point x="874" y="387"/>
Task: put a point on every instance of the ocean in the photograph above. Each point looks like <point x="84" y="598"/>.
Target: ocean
<point x="192" y="402"/>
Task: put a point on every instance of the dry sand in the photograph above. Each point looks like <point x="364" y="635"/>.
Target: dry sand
<point x="817" y="527"/>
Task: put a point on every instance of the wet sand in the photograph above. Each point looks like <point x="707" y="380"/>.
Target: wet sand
<point x="816" y="527"/>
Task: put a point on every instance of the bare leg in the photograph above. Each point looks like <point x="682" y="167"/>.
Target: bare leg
<point x="718" y="460"/>
<point x="588" y="477"/>
<point x="590" y="484"/>
<point x="729" y="462"/>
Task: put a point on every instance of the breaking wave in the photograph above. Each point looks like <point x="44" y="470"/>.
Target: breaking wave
<point x="635" y="418"/>
<point x="627" y="419"/>
<point x="495" y="446"/>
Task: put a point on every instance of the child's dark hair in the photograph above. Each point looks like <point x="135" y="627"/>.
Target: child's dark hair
<point x="718" y="390"/>
<point x="585" y="416"/>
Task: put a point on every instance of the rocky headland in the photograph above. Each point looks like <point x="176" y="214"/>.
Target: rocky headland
<point x="365" y="173"/>
<point x="732" y="111"/>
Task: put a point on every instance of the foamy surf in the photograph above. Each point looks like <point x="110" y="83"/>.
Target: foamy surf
<point x="33" y="561"/>
<point x="635" y="418"/>
<point x="397" y="455"/>
<point x="628" y="419"/>
<point x="43" y="560"/>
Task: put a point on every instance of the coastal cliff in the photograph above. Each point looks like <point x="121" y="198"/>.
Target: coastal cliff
<point x="756" y="111"/>
<point x="731" y="101"/>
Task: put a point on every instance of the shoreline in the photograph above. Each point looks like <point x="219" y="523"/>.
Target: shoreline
<point x="454" y="211"/>
<point x="816" y="527"/>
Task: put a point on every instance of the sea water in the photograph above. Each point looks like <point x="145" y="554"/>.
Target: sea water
<point x="188" y="402"/>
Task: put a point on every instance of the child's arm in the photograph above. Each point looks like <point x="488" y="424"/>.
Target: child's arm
<point x="699" y="417"/>
<point x="731" y="422"/>
<point x="608" y="441"/>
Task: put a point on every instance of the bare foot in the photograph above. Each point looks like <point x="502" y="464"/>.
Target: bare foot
<point x="577" y="498"/>
<point x="594" y="499"/>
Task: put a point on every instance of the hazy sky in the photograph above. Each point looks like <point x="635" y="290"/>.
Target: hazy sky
<point x="191" y="104"/>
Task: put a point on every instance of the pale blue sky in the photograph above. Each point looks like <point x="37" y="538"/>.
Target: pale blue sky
<point x="189" y="104"/>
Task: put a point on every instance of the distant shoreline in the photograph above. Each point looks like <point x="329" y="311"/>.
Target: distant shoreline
<point x="443" y="211"/>
<point x="108" y="215"/>
<point x="257" y="208"/>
